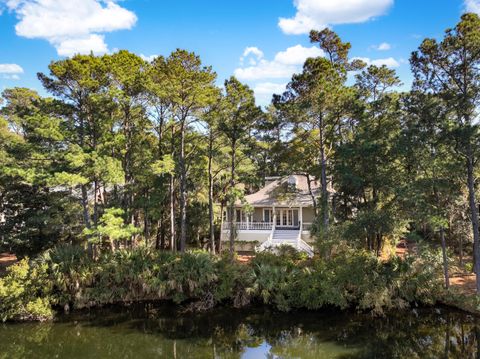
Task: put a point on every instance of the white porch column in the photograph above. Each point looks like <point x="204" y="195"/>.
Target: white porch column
<point x="300" y="217"/>
<point x="248" y="221"/>
<point x="274" y="215"/>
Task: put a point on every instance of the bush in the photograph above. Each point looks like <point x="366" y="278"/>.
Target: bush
<point x="70" y="272"/>
<point x="234" y="283"/>
<point x="191" y="276"/>
<point x="346" y="279"/>
<point x="25" y="293"/>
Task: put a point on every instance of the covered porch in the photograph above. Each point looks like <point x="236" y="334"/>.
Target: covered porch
<point x="271" y="218"/>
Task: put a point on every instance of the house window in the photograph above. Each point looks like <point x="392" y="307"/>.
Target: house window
<point x="267" y="215"/>
<point x="238" y="215"/>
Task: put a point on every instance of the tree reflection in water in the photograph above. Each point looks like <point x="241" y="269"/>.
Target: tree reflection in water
<point x="150" y="332"/>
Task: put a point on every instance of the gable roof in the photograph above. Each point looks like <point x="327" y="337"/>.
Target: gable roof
<point x="279" y="193"/>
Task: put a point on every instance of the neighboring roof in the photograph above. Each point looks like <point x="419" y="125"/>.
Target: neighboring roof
<point x="279" y="193"/>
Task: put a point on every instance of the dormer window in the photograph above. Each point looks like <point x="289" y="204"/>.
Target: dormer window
<point x="292" y="183"/>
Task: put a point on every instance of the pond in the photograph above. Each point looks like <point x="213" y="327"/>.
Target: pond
<point x="149" y="331"/>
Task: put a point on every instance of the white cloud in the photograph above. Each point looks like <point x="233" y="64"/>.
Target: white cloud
<point x="10" y="69"/>
<point x="260" y="71"/>
<point x="282" y="66"/>
<point x="265" y="70"/>
<point x="472" y="6"/>
<point x="389" y="61"/>
<point x="254" y="51"/>
<point x="270" y="87"/>
<point x="149" y="58"/>
<point x="384" y="46"/>
<point x="297" y="55"/>
<point x="256" y="55"/>
<point x="73" y="26"/>
<point x="92" y="43"/>
<point x="318" y="14"/>
<point x="11" y="77"/>
<point x="265" y="90"/>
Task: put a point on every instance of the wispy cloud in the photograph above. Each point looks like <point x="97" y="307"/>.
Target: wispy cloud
<point x="389" y="61"/>
<point x="10" y="69"/>
<point x="472" y="6"/>
<point x="384" y="46"/>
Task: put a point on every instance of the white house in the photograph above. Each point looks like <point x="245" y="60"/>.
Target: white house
<point x="280" y="213"/>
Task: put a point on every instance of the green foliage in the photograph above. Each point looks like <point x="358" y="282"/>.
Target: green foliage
<point x="66" y="275"/>
<point x="112" y="228"/>
<point x="25" y="293"/>
<point x="70" y="270"/>
<point x="190" y="276"/>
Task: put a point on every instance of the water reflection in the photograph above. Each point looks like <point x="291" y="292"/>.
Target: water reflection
<point x="162" y="332"/>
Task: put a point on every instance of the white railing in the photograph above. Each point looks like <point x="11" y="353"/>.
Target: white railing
<point x="268" y="243"/>
<point x="304" y="247"/>
<point x="300" y="244"/>
<point x="299" y="236"/>
<point x="242" y="226"/>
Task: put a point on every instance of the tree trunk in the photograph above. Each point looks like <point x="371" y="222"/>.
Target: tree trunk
<point x="162" y="233"/>
<point x="127" y="167"/>
<point x="183" y="191"/>
<point x="210" y="194"/>
<point x="379" y="241"/>
<point x="173" y="242"/>
<point x="323" y="179"/>
<point x="460" y="250"/>
<point x="95" y="203"/>
<point x="474" y="217"/>
<point x="445" y="258"/>
<point x="146" y="222"/>
<point x="231" y="215"/>
<point x="314" y="200"/>
<point x="158" y="235"/>
<point x="219" y="246"/>
<point x="86" y="217"/>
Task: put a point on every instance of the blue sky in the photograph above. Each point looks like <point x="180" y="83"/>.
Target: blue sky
<point x="261" y="41"/>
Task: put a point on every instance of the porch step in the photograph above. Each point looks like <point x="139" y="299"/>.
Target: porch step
<point x="286" y="237"/>
<point x="279" y="236"/>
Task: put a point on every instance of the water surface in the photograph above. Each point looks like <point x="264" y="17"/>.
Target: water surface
<point x="164" y="332"/>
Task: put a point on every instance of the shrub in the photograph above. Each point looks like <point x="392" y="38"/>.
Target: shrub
<point x="70" y="271"/>
<point x="234" y="282"/>
<point x="345" y="279"/>
<point x="25" y="293"/>
<point x="191" y="276"/>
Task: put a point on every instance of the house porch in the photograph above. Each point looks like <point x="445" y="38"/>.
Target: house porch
<point x="258" y="224"/>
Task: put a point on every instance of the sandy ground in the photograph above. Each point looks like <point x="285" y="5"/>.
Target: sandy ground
<point x="6" y="259"/>
<point x="464" y="282"/>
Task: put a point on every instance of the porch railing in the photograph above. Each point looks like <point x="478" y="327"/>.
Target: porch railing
<point x="259" y="226"/>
